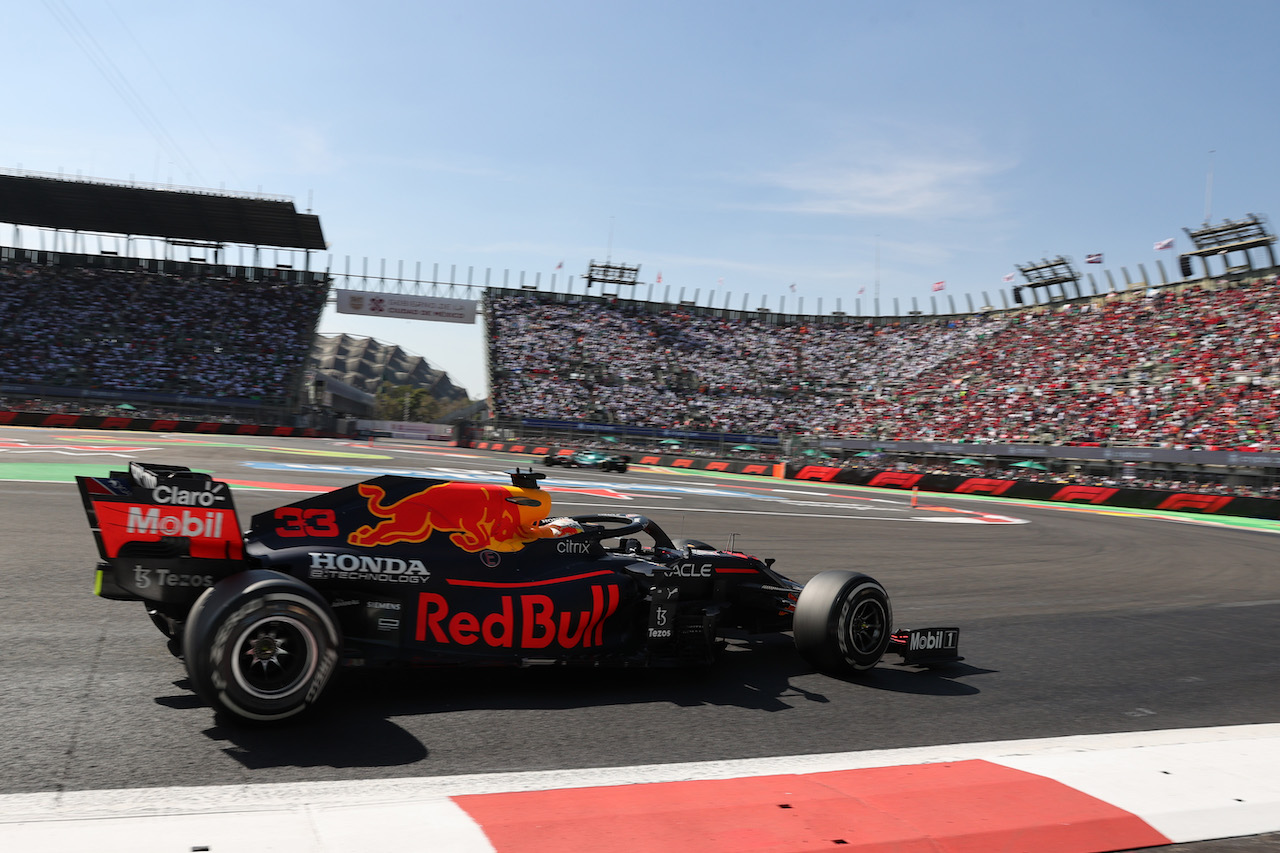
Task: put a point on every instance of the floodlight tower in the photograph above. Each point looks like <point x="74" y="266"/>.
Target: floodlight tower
<point x="612" y="274"/>
<point x="1047" y="273"/>
<point x="1221" y="240"/>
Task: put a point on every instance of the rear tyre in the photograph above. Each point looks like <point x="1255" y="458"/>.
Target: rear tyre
<point x="261" y="645"/>
<point x="843" y="622"/>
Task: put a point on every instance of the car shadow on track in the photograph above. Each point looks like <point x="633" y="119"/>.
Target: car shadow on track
<point x="361" y="739"/>
<point x="353" y="726"/>
<point x="935" y="681"/>
<point x="360" y="736"/>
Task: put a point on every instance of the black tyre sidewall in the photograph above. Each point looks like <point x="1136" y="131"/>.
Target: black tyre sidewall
<point x="228" y="612"/>
<point x="822" y="624"/>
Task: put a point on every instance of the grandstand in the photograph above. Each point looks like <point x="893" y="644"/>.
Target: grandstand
<point x="1153" y="369"/>
<point x="1190" y="368"/>
<point x="176" y="333"/>
<point x="1179" y="374"/>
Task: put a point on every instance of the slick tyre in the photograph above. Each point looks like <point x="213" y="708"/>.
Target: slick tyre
<point x="843" y="622"/>
<point x="261" y="645"/>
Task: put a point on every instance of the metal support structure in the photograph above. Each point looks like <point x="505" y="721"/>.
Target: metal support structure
<point x="1045" y="274"/>
<point x="1239" y="236"/>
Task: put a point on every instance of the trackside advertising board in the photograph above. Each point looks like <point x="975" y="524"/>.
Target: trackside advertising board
<point x="56" y="420"/>
<point x="665" y="460"/>
<point x="1151" y="499"/>
<point x="404" y="306"/>
<point x="1116" y="496"/>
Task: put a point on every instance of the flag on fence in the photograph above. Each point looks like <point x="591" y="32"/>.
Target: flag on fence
<point x="560" y="265"/>
<point x="1164" y="244"/>
<point x="1093" y="259"/>
<point x="939" y="285"/>
<point x="659" y="277"/>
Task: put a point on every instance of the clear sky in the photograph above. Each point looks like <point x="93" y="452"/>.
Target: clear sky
<point x="738" y="147"/>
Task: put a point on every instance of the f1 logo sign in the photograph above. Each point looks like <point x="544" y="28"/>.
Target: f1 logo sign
<point x="894" y="479"/>
<point x="1084" y="494"/>
<point x="1195" y="503"/>
<point x="984" y="485"/>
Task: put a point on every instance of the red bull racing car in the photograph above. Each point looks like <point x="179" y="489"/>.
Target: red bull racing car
<point x="436" y="572"/>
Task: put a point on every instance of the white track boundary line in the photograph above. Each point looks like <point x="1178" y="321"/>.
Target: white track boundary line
<point x="1189" y="784"/>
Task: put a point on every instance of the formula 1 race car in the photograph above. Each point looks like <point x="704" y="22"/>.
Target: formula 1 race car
<point x="600" y="459"/>
<point x="437" y="572"/>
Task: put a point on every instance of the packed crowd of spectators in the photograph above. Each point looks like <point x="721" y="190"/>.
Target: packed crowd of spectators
<point x="142" y="331"/>
<point x="1194" y="368"/>
<point x="672" y="369"/>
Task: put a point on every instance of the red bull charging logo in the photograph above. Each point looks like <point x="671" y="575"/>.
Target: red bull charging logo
<point x="479" y="516"/>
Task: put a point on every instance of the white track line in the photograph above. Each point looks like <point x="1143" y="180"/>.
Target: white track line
<point x="1189" y="784"/>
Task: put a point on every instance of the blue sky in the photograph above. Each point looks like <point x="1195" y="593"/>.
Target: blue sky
<point x="735" y="147"/>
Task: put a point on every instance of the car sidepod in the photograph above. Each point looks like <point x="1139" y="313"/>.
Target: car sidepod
<point x="440" y="572"/>
<point x="533" y="607"/>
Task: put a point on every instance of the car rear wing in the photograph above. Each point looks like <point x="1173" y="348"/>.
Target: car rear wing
<point x="164" y="532"/>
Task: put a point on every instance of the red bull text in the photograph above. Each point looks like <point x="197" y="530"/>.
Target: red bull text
<point x="526" y="621"/>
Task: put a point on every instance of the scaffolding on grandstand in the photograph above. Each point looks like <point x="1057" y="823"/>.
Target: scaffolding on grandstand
<point x="612" y="274"/>
<point x="1046" y="274"/>
<point x="1242" y="236"/>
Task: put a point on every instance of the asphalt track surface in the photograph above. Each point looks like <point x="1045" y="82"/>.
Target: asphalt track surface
<point x="1072" y="622"/>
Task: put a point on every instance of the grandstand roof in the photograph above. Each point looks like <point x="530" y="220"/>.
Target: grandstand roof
<point x="106" y="208"/>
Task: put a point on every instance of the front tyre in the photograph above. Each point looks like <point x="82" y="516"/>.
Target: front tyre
<point x="261" y="645"/>
<point x="843" y="622"/>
